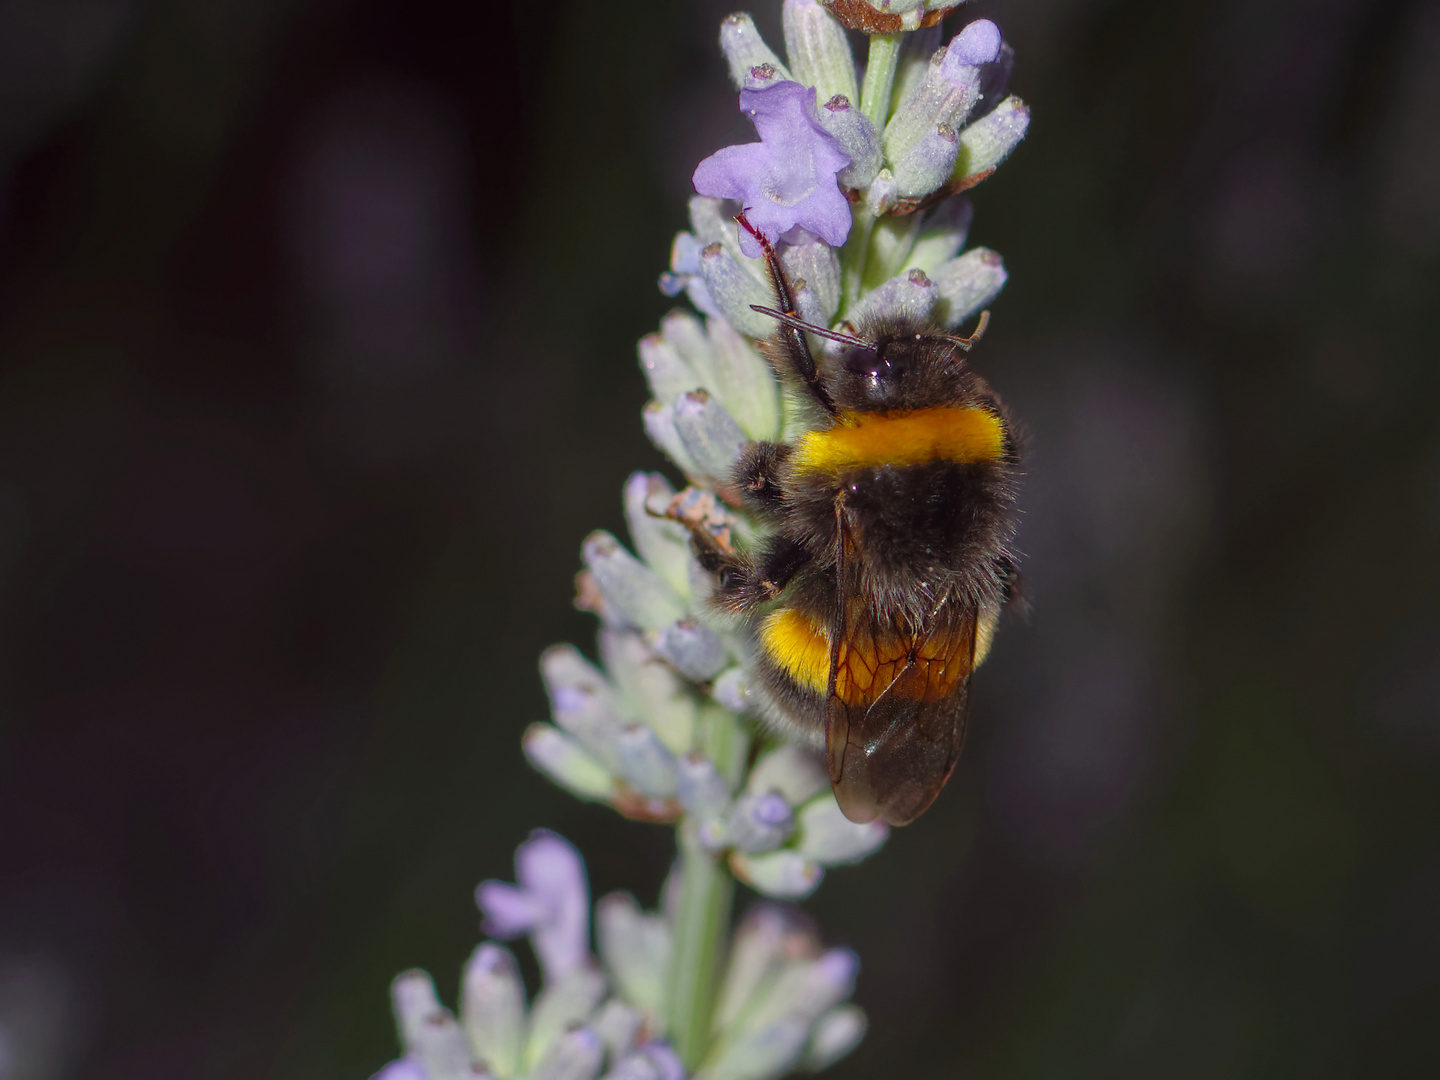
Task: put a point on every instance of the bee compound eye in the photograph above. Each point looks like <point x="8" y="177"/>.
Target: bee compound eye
<point x="860" y="361"/>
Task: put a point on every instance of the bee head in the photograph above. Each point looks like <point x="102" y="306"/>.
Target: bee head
<point x="907" y="364"/>
<point x="885" y="373"/>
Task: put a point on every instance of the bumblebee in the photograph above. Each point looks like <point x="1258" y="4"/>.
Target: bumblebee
<point x="886" y="557"/>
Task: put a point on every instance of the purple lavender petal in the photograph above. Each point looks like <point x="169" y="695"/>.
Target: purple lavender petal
<point x="404" y="1069"/>
<point x="509" y="912"/>
<point x="668" y="1061"/>
<point x="549" y="867"/>
<point x="786" y="181"/>
<point x="684" y="274"/>
<point x="978" y="43"/>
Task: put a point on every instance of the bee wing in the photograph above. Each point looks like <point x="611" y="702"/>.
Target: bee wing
<point x="889" y="755"/>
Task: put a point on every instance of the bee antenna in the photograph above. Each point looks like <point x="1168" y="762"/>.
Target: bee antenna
<point x="975" y="335"/>
<point x="819" y="331"/>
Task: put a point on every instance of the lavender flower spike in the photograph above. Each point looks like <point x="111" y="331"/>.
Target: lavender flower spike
<point x="786" y="182"/>
<point x="551" y="903"/>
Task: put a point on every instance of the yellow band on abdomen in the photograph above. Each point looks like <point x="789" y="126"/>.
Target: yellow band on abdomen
<point x="798" y="648"/>
<point x="914" y="437"/>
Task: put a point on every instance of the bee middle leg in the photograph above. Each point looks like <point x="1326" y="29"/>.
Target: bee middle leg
<point x="742" y="582"/>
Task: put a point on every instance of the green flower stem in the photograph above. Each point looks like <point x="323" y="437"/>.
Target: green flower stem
<point x="880" y="77"/>
<point x="725" y="742"/>
<point x="706" y="893"/>
<point x="853" y="257"/>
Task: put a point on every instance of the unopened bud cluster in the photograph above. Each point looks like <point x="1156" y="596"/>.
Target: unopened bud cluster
<point x="855" y="181"/>
<point x="781" y="998"/>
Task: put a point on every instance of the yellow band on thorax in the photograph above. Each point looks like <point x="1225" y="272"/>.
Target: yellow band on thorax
<point x="912" y="437"/>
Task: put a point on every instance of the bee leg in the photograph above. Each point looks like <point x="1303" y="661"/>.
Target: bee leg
<point x="741" y="583"/>
<point x="757" y="475"/>
<point x="1012" y="586"/>
<point x="780" y="562"/>
<point x="792" y="338"/>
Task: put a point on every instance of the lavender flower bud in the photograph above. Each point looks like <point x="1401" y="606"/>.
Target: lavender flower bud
<point x="563" y="1004"/>
<point x="776" y="1029"/>
<point x="646" y="763"/>
<point x="927" y="163"/>
<point x="810" y="989"/>
<point x="665" y="369"/>
<point x="760" y="822"/>
<point x="575" y="1055"/>
<point x="635" y="946"/>
<point x="891" y="240"/>
<point x="744" y="49"/>
<point x="732" y="691"/>
<point x="659" y="420"/>
<point x="857" y="137"/>
<point x="828" y="837"/>
<point x="709" y="434"/>
<point x="582" y="703"/>
<point x="662" y="543"/>
<point x="714" y="223"/>
<point x="406" y="1069"/>
<point x="817" y="264"/>
<point x="910" y="295"/>
<point x="942" y="234"/>
<point x="948" y="90"/>
<point x="618" y="1025"/>
<point x="764" y="1053"/>
<point x="692" y="649"/>
<point x="988" y="141"/>
<point x="967" y="284"/>
<point x="792" y="772"/>
<point x="567" y="763"/>
<point x="783" y="874"/>
<point x="492" y="1008"/>
<point x="684" y="273"/>
<point x="835" y="1034"/>
<point x="701" y="789"/>
<point x="653" y="1061"/>
<point x="629" y="586"/>
<point x="881" y="195"/>
<point x="649" y="688"/>
<point x="687" y="334"/>
<point x="817" y="47"/>
<point x="743" y="379"/>
<point x="763" y="938"/>
<point x="734" y="290"/>
<point x="429" y="1032"/>
<point x="808" y="306"/>
<point x="915" y="55"/>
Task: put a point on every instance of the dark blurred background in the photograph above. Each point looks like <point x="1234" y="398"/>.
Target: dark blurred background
<point x="317" y="324"/>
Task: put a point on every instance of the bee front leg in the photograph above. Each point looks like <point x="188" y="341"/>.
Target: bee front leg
<point x="757" y="475"/>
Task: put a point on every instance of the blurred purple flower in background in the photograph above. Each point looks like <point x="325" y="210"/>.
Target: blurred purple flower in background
<point x="786" y="181"/>
<point x="551" y="903"/>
